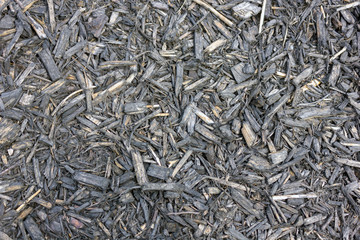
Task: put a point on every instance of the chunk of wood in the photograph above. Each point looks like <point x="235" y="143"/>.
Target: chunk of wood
<point x="179" y="78"/>
<point x="278" y="157"/>
<point x="238" y="73"/>
<point x="139" y="168"/>
<point x="4" y="236"/>
<point x="9" y="131"/>
<point x="248" y="134"/>
<point x="9" y="186"/>
<point x="52" y="20"/>
<point x="33" y="229"/>
<point x="348" y="162"/>
<point x="334" y="75"/>
<point x="91" y="179"/>
<point x="158" y="171"/>
<point x="302" y="76"/>
<point x="49" y="64"/>
<point x="174" y="187"/>
<point x="215" y="45"/>
<point x="246" y="10"/>
<point x="62" y="42"/>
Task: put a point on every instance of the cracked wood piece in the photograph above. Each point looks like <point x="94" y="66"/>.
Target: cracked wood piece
<point x="174" y="187"/>
<point x="9" y="47"/>
<point x="84" y="83"/>
<point x="33" y="229"/>
<point x="181" y="162"/>
<point x="62" y="42"/>
<point x="91" y="179"/>
<point x="50" y="4"/>
<point x="49" y="63"/>
<point x="24" y="74"/>
<point x="139" y="168"/>
<point x="179" y="78"/>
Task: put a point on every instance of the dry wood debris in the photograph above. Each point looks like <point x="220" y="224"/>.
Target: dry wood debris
<point x="194" y="119"/>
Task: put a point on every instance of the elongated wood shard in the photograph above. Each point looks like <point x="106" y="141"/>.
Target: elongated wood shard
<point x="139" y="168"/>
<point x="63" y="42"/>
<point x="193" y="119"/>
<point x="248" y="134"/>
<point x="91" y="179"/>
<point x="33" y="229"/>
<point x="179" y="78"/>
<point x="175" y="187"/>
<point x="49" y="64"/>
<point x="9" y="187"/>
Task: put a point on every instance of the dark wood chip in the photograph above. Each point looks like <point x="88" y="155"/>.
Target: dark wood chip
<point x="167" y="119"/>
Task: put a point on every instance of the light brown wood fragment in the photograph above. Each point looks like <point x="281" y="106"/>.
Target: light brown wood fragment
<point x="7" y="32"/>
<point x="8" y="131"/>
<point x="248" y="134"/>
<point x="3" y="4"/>
<point x="202" y="115"/>
<point x="24" y="214"/>
<point x="228" y="183"/>
<point x="43" y="202"/>
<point x="26" y="4"/>
<point x="104" y="228"/>
<point x="223" y="29"/>
<point x="213" y="46"/>
<point x="9" y="187"/>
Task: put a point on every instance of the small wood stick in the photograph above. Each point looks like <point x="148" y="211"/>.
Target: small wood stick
<point x="215" y="12"/>
<point x="51" y="14"/>
<point x="262" y="16"/>
<point x="28" y="200"/>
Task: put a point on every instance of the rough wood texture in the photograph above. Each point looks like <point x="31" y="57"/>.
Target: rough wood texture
<point x="200" y="119"/>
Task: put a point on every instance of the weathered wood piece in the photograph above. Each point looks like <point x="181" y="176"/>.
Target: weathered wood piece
<point x="179" y="119"/>
<point x="49" y="63"/>
<point x="91" y="179"/>
<point x="175" y="187"/>
<point x="8" y="131"/>
<point x="139" y="168"/>
<point x="33" y="229"/>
